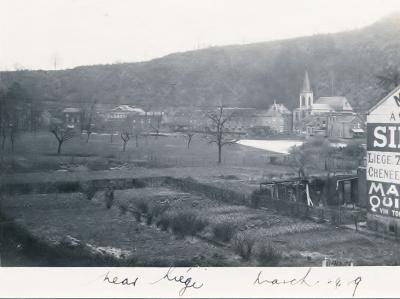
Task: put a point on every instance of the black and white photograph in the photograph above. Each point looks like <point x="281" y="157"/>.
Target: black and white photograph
<point x="196" y="133"/>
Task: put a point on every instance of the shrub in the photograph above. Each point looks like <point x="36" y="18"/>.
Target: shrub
<point x="138" y="183"/>
<point x="149" y="219"/>
<point x="224" y="231"/>
<point x="137" y="215"/>
<point x="89" y="189"/>
<point x="268" y="255"/>
<point x="66" y="187"/>
<point x="243" y="245"/>
<point x="255" y="200"/>
<point x="187" y="223"/>
<point x="158" y="209"/>
<point x="142" y="206"/>
<point x="123" y="208"/>
<point x="164" y="222"/>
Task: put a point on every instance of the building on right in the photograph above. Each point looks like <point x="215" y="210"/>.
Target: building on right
<point x="383" y="165"/>
<point x="345" y="126"/>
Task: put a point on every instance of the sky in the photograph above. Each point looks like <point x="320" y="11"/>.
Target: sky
<point x="59" y="34"/>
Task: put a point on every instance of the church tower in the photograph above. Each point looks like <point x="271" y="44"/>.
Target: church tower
<point x="306" y="99"/>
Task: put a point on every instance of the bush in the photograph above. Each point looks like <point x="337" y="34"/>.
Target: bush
<point x="268" y="255"/>
<point x="123" y="208"/>
<point x="142" y="206"/>
<point x="255" y="200"/>
<point x="158" y="210"/>
<point x="224" y="231"/>
<point x="89" y="189"/>
<point x="149" y="219"/>
<point x="164" y="222"/>
<point x="187" y="223"/>
<point x="243" y="245"/>
<point x="67" y="187"/>
<point x="137" y="215"/>
<point x="138" y="183"/>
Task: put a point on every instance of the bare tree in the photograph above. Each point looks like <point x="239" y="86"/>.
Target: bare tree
<point x="61" y="133"/>
<point x="186" y="125"/>
<point x="125" y="136"/>
<point x="217" y="132"/>
<point x="189" y="134"/>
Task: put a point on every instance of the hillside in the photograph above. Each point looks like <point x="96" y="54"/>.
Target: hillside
<point x="250" y="75"/>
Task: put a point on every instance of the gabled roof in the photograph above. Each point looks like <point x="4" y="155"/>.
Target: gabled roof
<point x="127" y="108"/>
<point x="337" y="103"/>
<point x="345" y="118"/>
<point x="277" y="109"/>
<point x="318" y="106"/>
<point x="72" y="110"/>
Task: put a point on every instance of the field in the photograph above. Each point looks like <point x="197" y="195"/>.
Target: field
<point x="133" y="228"/>
<point x="60" y="218"/>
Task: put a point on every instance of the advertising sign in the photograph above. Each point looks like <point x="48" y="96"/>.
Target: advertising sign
<point x="383" y="156"/>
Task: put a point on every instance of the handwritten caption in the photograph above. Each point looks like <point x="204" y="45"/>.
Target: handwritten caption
<point x="183" y="279"/>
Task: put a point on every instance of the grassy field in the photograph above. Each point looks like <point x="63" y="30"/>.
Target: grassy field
<point x="39" y="152"/>
<point x="118" y="231"/>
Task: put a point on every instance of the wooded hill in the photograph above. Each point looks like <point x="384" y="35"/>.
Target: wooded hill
<point x="250" y="75"/>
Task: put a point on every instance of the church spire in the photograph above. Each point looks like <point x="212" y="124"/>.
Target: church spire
<point x="306" y="83"/>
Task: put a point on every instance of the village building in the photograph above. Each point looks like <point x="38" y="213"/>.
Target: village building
<point x="72" y="117"/>
<point x="133" y="117"/>
<point x="275" y="120"/>
<point x="278" y="118"/>
<point x="327" y="116"/>
<point x="122" y="112"/>
<point x="185" y="119"/>
<point x="345" y="126"/>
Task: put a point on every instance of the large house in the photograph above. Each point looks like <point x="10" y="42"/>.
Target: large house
<point x="327" y="116"/>
<point x="133" y="117"/>
<point x="345" y="126"/>
<point x="122" y="112"/>
<point x="72" y="117"/>
<point x="278" y="118"/>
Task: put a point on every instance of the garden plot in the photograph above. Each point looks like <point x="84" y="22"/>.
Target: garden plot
<point x="140" y="224"/>
<point x="53" y="218"/>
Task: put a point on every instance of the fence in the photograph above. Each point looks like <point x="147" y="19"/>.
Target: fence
<point x="335" y="215"/>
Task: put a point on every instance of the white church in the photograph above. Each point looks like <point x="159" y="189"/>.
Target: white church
<point x="322" y="106"/>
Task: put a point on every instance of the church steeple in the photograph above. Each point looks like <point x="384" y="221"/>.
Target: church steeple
<point x="306" y="94"/>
